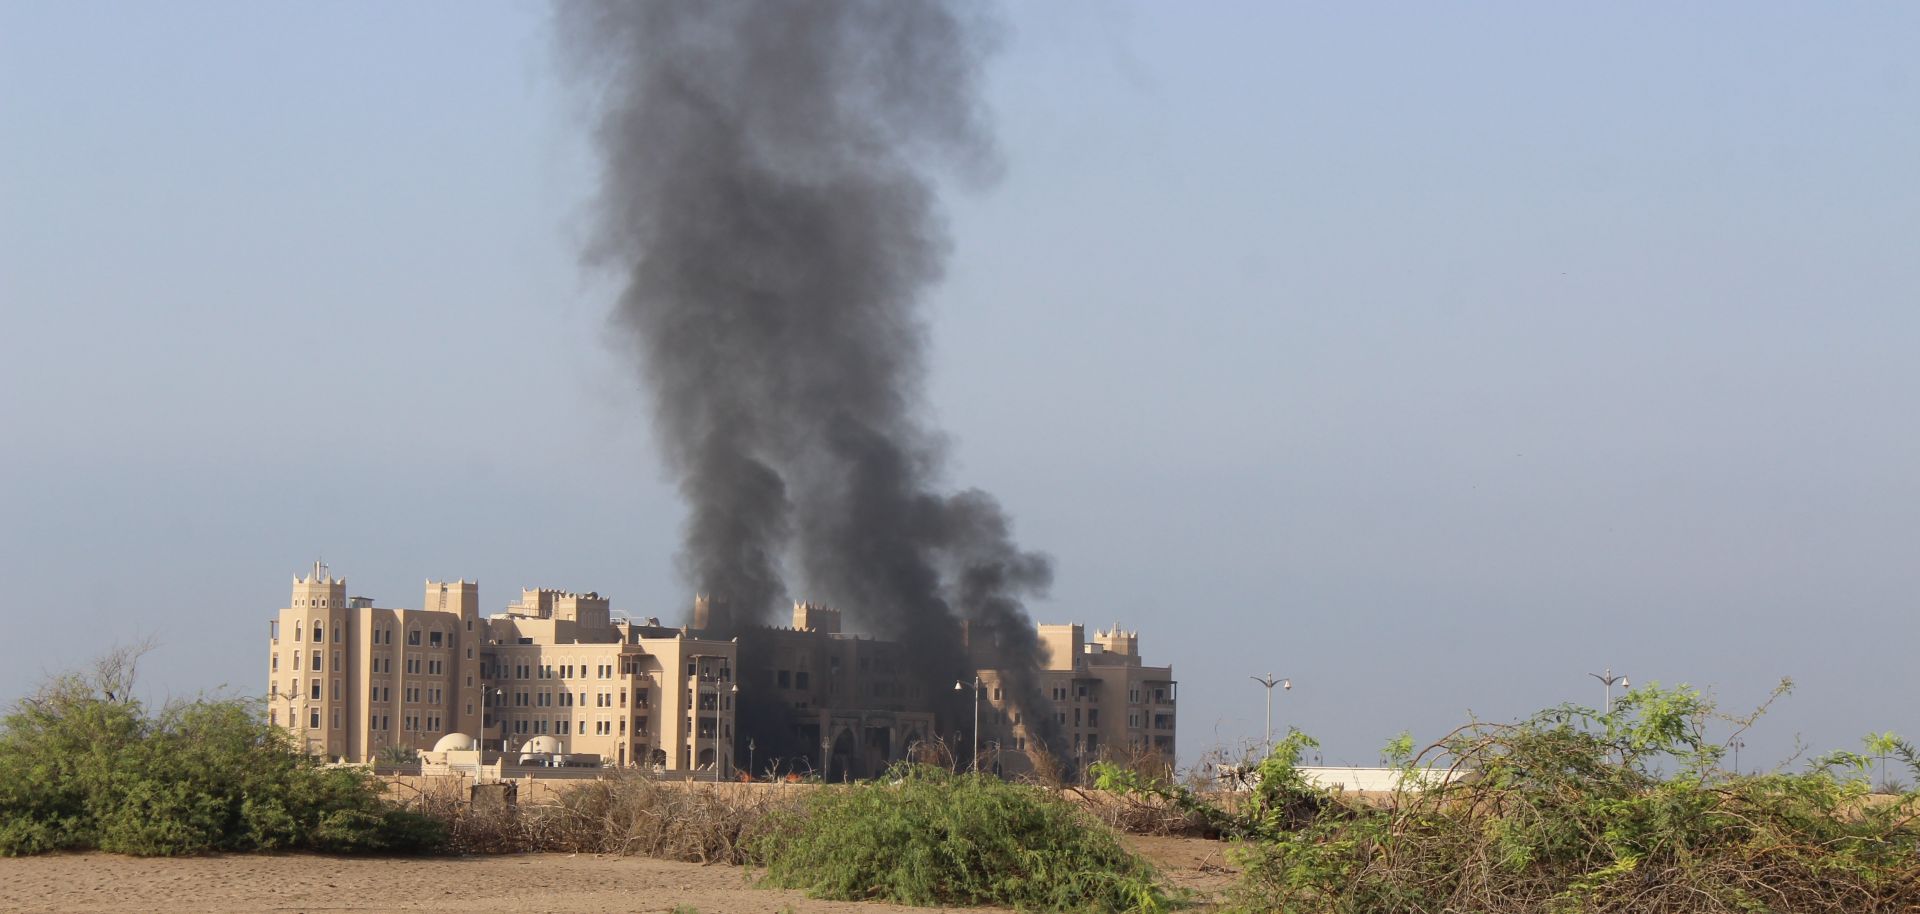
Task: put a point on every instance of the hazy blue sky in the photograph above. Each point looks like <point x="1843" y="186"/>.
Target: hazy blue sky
<point x="1433" y="357"/>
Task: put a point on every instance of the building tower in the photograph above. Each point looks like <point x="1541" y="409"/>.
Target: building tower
<point x="465" y="678"/>
<point x="318" y="617"/>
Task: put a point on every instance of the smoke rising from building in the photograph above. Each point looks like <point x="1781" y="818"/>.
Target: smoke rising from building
<point x="767" y="199"/>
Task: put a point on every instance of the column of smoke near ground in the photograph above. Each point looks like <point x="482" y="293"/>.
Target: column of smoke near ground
<point x="767" y="204"/>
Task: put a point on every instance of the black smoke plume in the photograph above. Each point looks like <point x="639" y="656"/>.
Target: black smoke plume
<point x="767" y="197"/>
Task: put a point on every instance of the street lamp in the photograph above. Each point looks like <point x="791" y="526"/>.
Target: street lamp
<point x="1608" y="680"/>
<point x="973" y="750"/>
<point x="1270" y="682"/>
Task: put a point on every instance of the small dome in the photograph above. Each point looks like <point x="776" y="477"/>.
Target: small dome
<point x="540" y="745"/>
<point x="453" y="741"/>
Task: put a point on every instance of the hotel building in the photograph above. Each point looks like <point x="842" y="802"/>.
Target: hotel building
<point x="558" y="671"/>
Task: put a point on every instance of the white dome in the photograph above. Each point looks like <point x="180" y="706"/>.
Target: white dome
<point x="541" y="745"/>
<point x="453" y="741"/>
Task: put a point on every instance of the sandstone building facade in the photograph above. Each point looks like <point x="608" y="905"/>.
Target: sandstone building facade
<point x="558" y="672"/>
<point x="350" y="680"/>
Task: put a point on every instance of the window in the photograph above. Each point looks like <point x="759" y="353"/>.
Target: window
<point x="297" y="630"/>
<point x="316" y="661"/>
<point x="561" y="726"/>
<point x="296" y="659"/>
<point x="642" y="698"/>
<point x="313" y="719"/>
<point x="317" y="629"/>
<point x="640" y="724"/>
<point x="273" y="716"/>
<point x="434" y="639"/>
<point x="413" y="636"/>
<point x="785" y="679"/>
<point x="336" y="634"/>
<point x="336" y="690"/>
<point x="800" y="679"/>
<point x="316" y="690"/>
<point x="1093" y="717"/>
<point x="336" y="718"/>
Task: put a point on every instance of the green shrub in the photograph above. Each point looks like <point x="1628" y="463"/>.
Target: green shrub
<point x="925" y="836"/>
<point x="1576" y="811"/>
<point x="88" y="768"/>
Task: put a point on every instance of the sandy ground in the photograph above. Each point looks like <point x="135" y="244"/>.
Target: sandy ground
<point x="523" y="884"/>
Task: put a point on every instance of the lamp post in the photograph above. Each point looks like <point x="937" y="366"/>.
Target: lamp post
<point x="1270" y="682"/>
<point x="974" y="750"/>
<point x="1608" y="679"/>
<point x="750" y="757"/>
<point x="1737" y="743"/>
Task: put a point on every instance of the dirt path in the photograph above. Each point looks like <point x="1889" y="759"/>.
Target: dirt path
<point x="522" y="884"/>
